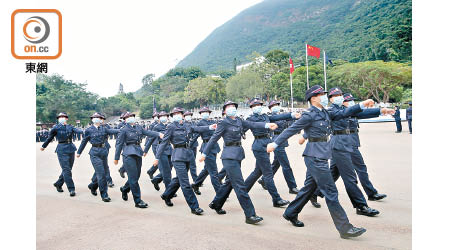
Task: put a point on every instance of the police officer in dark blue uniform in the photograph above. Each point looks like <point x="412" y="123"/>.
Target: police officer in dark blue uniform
<point x="262" y="138"/>
<point x="97" y="135"/>
<point x="409" y="116"/>
<point x="129" y="145"/>
<point x="210" y="160"/>
<point x="316" y="123"/>
<point x="280" y="157"/>
<point x="65" y="150"/>
<point x="398" y="120"/>
<point x="119" y="126"/>
<point x="177" y="134"/>
<point x="153" y="142"/>
<point x="192" y="144"/>
<point x="232" y="130"/>
<point x="165" y="163"/>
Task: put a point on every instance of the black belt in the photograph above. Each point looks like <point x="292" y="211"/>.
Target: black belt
<point x="234" y="143"/>
<point x="64" y="142"/>
<point x="276" y="133"/>
<point x="345" y="131"/>
<point x="206" y="141"/>
<point x="180" y="145"/>
<point x="262" y="136"/>
<point x="318" y="139"/>
<point x="98" y="145"/>
<point x="133" y="143"/>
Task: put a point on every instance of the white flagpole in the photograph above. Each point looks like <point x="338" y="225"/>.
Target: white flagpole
<point x="325" y="69"/>
<point x="307" y="74"/>
<point x="292" y="95"/>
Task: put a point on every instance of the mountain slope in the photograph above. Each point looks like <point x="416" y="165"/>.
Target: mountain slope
<point x="354" y="30"/>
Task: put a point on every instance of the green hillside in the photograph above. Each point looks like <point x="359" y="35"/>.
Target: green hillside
<point x="353" y="30"/>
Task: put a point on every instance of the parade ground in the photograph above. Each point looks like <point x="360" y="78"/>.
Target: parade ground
<point x="86" y="222"/>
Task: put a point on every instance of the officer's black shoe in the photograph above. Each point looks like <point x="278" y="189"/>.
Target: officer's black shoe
<point x="377" y="197"/>
<point x="156" y="185"/>
<point x="294" y="221"/>
<point x="398" y="131"/>
<point x="93" y="191"/>
<point x="141" y="204"/>
<point x="196" y="189"/>
<point x="281" y="203"/>
<point x="110" y="184"/>
<point x="352" y="232"/>
<point x="58" y="188"/>
<point x="106" y="199"/>
<point x="197" y="211"/>
<point x="124" y="194"/>
<point x="150" y="174"/>
<point x="367" y="211"/>
<point x="72" y="193"/>
<point x="167" y="201"/>
<point x="314" y="202"/>
<point x="253" y="219"/>
<point x="122" y="174"/>
<point x="218" y="210"/>
<point x="293" y="190"/>
<point x="263" y="185"/>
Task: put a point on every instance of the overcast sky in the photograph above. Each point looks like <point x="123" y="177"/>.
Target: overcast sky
<point x="110" y="42"/>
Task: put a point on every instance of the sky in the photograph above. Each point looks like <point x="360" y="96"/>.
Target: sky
<point x="110" y="42"/>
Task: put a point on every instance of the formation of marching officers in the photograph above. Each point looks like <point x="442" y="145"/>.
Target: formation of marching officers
<point x="331" y="134"/>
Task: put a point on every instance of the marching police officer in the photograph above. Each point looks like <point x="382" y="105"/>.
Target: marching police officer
<point x="398" y="120"/>
<point x="65" y="150"/>
<point x="154" y="143"/>
<point x="119" y="126"/>
<point x="165" y="163"/>
<point x="316" y="123"/>
<point x="97" y="135"/>
<point x="177" y="134"/>
<point x="409" y="116"/>
<point x="129" y="145"/>
<point x="231" y="129"/>
<point x="210" y="160"/>
<point x="262" y="138"/>
<point x="192" y="144"/>
<point x="280" y="157"/>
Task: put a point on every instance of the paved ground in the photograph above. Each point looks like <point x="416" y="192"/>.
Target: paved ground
<point x="85" y="222"/>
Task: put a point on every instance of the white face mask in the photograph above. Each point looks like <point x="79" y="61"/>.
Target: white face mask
<point x="351" y="103"/>
<point x="62" y="120"/>
<point x="188" y="118"/>
<point x="338" y="100"/>
<point x="96" y="120"/>
<point x="177" y="117"/>
<point x="130" y="119"/>
<point x="257" y="109"/>
<point x="276" y="109"/>
<point x="205" y="115"/>
<point x="163" y="119"/>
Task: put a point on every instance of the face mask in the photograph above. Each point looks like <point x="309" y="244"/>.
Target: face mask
<point x="351" y="103"/>
<point x="188" y="118"/>
<point x="130" y="120"/>
<point x="177" y="118"/>
<point x="96" y="120"/>
<point x="205" y="115"/>
<point x="338" y="100"/>
<point x="61" y="120"/>
<point x="163" y="119"/>
<point x="276" y="109"/>
<point x="231" y="111"/>
<point x="257" y="109"/>
<point x="324" y="100"/>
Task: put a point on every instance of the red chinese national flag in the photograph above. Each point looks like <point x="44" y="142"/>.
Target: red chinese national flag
<point x="313" y="51"/>
<point x="291" y="65"/>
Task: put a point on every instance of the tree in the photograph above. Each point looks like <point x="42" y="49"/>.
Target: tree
<point x="205" y="90"/>
<point x="244" y="85"/>
<point x="278" y="57"/>
<point x="148" y="79"/>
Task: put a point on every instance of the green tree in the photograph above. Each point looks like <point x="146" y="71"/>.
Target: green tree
<point x="244" y="85"/>
<point x="204" y="90"/>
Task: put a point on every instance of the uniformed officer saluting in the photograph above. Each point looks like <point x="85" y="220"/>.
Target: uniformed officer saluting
<point x="97" y="135"/>
<point x="316" y="123"/>
<point x="65" y="150"/>
<point x="177" y="134"/>
<point x="129" y="145"/>
<point x="231" y="129"/>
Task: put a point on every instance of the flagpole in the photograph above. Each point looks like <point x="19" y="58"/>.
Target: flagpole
<point x="307" y="74"/>
<point x="292" y="96"/>
<point x="325" y="68"/>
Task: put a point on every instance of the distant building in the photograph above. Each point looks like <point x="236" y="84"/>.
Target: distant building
<point x="120" y="89"/>
<point x="257" y="60"/>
